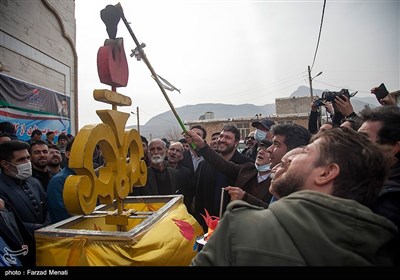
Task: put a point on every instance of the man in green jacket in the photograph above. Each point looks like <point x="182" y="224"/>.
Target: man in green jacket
<point x="322" y="218"/>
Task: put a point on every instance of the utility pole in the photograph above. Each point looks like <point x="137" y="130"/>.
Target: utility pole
<point x="137" y="117"/>
<point x="310" y="80"/>
<point x="312" y="95"/>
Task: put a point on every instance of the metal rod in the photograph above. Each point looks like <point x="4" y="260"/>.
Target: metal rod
<point x="153" y="73"/>
<point x="100" y="212"/>
<point x="221" y="206"/>
<point x="102" y="216"/>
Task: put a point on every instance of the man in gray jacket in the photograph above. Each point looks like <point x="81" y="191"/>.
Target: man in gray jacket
<point x="322" y="218"/>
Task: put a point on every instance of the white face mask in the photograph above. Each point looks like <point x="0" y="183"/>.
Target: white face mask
<point x="263" y="168"/>
<point x="24" y="170"/>
<point x="260" y="135"/>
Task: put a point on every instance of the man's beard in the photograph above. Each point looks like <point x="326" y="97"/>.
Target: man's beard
<point x="54" y="163"/>
<point x="225" y="150"/>
<point x="156" y="159"/>
<point x="287" y="185"/>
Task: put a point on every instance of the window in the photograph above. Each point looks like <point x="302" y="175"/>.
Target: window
<point x="244" y="129"/>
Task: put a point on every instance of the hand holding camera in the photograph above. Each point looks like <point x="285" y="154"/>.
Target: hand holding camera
<point x="343" y="105"/>
<point x="329" y="107"/>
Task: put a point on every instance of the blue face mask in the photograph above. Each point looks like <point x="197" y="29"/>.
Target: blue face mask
<point x="260" y="135"/>
<point x="263" y="168"/>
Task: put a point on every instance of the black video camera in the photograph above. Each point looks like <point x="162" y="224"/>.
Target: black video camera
<point x="331" y="95"/>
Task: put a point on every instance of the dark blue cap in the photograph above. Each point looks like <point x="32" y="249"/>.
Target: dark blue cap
<point x="267" y="123"/>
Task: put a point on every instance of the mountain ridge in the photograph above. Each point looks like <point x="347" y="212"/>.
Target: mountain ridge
<point x="165" y="123"/>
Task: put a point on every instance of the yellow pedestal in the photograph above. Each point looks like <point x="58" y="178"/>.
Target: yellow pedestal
<point x="160" y="232"/>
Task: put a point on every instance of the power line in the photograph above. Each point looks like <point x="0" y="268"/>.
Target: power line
<point x="341" y="87"/>
<point x="319" y="35"/>
<point x="261" y="89"/>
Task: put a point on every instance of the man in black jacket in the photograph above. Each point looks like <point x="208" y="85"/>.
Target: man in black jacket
<point x="250" y="181"/>
<point x="19" y="188"/>
<point x="382" y="125"/>
<point x="19" y="246"/>
<point x="161" y="179"/>
<point x="210" y="181"/>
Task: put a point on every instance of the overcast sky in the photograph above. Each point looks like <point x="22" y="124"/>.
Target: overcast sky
<point x="237" y="52"/>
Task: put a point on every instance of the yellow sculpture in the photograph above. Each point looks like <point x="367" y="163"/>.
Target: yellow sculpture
<point x="111" y="228"/>
<point x="123" y="154"/>
<point x="123" y="230"/>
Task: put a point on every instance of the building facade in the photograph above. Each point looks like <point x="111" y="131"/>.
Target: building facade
<point x="38" y="65"/>
<point x="288" y="110"/>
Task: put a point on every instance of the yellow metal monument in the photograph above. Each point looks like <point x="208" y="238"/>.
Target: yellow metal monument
<point x="111" y="228"/>
<point x="122" y="230"/>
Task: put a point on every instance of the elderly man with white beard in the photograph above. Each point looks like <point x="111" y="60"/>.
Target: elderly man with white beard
<point x="161" y="179"/>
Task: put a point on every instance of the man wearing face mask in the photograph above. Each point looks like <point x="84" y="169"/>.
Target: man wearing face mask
<point x="19" y="188"/>
<point x="262" y="132"/>
<point x="161" y="179"/>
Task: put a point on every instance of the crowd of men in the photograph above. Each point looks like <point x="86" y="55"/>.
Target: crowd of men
<point x="28" y="174"/>
<point x="295" y="196"/>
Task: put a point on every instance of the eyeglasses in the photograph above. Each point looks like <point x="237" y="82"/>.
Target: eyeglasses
<point x="250" y="138"/>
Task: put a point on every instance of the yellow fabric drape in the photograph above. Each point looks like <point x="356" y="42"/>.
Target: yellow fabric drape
<point x="163" y="244"/>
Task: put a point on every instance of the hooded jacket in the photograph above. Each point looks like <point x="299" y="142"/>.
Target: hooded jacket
<point x="306" y="228"/>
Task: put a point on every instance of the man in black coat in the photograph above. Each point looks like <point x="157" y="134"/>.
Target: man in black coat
<point x="210" y="181"/>
<point x="161" y="179"/>
<point x="191" y="159"/>
<point x="382" y="126"/>
<point x="19" y="248"/>
<point x="19" y="188"/>
<point x="251" y="180"/>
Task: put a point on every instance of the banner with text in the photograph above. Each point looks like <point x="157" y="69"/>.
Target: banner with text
<point x="29" y="107"/>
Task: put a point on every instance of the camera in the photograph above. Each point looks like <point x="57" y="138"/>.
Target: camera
<point x="319" y="102"/>
<point x="331" y="95"/>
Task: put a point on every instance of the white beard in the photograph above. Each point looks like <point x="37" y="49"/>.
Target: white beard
<point x="156" y="159"/>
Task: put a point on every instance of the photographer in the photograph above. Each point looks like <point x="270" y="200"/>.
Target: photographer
<point x="342" y="107"/>
<point x="315" y="113"/>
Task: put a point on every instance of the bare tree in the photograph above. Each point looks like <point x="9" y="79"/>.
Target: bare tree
<point x="173" y="133"/>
